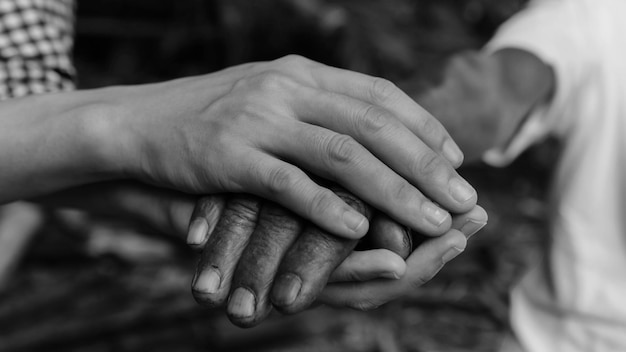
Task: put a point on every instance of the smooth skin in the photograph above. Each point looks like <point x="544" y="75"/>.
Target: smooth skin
<point x="259" y="128"/>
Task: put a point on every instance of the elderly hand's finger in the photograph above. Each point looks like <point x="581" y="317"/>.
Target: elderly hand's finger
<point x="276" y="231"/>
<point x="306" y="267"/>
<point x="205" y="216"/>
<point x="388" y="234"/>
<point x="223" y="249"/>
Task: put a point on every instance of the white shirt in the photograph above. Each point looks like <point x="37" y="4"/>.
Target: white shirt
<point x="576" y="300"/>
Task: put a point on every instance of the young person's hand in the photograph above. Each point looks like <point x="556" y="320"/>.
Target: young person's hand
<point x="270" y="128"/>
<point x="264" y="128"/>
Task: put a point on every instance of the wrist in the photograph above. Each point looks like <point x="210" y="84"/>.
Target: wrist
<point x="107" y="130"/>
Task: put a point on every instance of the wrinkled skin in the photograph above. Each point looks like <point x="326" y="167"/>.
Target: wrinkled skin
<point x="268" y="257"/>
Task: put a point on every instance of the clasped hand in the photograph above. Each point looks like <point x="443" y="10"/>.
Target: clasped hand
<point x="257" y="255"/>
<point x="271" y="129"/>
<point x="347" y="154"/>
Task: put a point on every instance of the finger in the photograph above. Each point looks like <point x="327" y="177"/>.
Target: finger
<point x="368" y="265"/>
<point x="381" y="92"/>
<point x="306" y="267"/>
<point x="223" y="249"/>
<point x="341" y="159"/>
<point x="470" y="222"/>
<point x="424" y="263"/>
<point x="388" y="234"/>
<point x="382" y="133"/>
<point x="289" y="186"/>
<point x="203" y="220"/>
<point x="276" y="231"/>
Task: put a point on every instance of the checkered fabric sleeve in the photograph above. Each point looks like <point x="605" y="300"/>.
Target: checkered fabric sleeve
<point x="36" y="38"/>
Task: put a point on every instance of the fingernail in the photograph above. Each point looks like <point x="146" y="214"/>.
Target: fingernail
<point x="353" y="220"/>
<point x="241" y="303"/>
<point x="451" y="254"/>
<point x="286" y="289"/>
<point x="390" y="275"/>
<point x="207" y="282"/>
<point x="452" y="152"/>
<point x="198" y="231"/>
<point x="434" y="214"/>
<point x="471" y="227"/>
<point x="461" y="190"/>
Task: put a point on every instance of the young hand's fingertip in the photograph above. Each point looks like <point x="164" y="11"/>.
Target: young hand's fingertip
<point x="471" y="227"/>
<point x="453" y="153"/>
<point x="477" y="218"/>
<point x="357" y="223"/>
<point x="451" y="253"/>
<point x="462" y="192"/>
<point x="436" y="216"/>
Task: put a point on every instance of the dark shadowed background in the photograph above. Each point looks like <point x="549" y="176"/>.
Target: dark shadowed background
<point x="73" y="292"/>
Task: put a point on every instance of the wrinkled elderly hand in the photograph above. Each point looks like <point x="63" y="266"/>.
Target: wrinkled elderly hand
<point x="258" y="255"/>
<point x="263" y="128"/>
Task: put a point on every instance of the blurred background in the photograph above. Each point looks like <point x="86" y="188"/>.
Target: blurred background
<point x="76" y="290"/>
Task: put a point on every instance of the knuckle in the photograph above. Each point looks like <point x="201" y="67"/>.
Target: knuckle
<point x="401" y="190"/>
<point x="209" y="206"/>
<point x="342" y="149"/>
<point x="372" y="120"/>
<point x="320" y="202"/>
<point x="273" y="81"/>
<point x="428" y="164"/>
<point x="429" y="127"/>
<point x="242" y="212"/>
<point x="278" y="219"/>
<point x="244" y="205"/>
<point x="294" y="60"/>
<point x="325" y="246"/>
<point x="281" y="180"/>
<point x="383" y="90"/>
